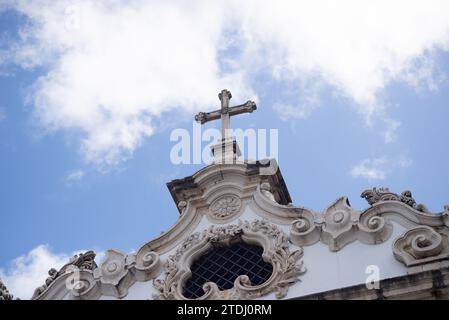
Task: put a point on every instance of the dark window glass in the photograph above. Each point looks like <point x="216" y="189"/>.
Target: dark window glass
<point x="222" y="265"/>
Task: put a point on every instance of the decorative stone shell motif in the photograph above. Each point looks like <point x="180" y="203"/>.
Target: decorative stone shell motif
<point x="225" y="207"/>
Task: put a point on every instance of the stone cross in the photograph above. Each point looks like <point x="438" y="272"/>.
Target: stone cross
<point x="225" y="112"/>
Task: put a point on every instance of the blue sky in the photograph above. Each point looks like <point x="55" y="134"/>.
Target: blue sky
<point x="87" y="108"/>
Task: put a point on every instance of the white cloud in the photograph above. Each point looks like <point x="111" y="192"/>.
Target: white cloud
<point x="390" y="131"/>
<point x="74" y="176"/>
<point x="378" y="168"/>
<point x="370" y="169"/>
<point x="289" y="112"/>
<point x="28" y="272"/>
<point x="116" y="66"/>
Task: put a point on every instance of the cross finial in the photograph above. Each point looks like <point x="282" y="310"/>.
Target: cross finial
<point x="224" y="96"/>
<point x="225" y="112"/>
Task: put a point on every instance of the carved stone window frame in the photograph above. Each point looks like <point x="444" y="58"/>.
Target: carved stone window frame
<point x="287" y="266"/>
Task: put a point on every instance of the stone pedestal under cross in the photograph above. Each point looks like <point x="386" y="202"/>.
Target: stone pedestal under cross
<point x="227" y="150"/>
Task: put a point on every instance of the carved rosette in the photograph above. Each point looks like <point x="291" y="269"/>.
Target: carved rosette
<point x="225" y="207"/>
<point x="421" y="245"/>
<point x="287" y="266"/>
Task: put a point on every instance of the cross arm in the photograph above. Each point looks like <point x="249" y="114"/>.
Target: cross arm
<point x="247" y="107"/>
<point x="204" y="117"/>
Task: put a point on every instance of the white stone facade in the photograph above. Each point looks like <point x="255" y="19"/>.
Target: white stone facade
<point x="311" y="252"/>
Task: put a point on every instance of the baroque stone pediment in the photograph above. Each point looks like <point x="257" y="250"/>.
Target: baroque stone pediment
<point x="215" y="198"/>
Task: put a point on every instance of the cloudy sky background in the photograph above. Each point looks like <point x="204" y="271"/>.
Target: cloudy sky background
<point x="90" y="91"/>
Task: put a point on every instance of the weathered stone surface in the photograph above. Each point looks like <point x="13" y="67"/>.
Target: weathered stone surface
<point x="83" y="261"/>
<point x="4" y="293"/>
<point x="384" y="194"/>
<point x="429" y="285"/>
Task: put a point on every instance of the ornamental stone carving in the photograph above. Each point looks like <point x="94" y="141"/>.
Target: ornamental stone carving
<point x="421" y="245"/>
<point x="225" y="207"/>
<point x="338" y="226"/>
<point x="265" y="189"/>
<point x="384" y="194"/>
<point x="148" y="264"/>
<point x="119" y="271"/>
<point x="83" y="261"/>
<point x="82" y="284"/>
<point x="4" y="293"/>
<point x="287" y="266"/>
<point x="113" y="274"/>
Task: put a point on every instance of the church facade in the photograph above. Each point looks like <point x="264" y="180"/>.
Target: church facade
<point x="239" y="236"/>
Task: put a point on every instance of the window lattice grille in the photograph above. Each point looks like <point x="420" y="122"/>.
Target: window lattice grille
<point x="222" y="265"/>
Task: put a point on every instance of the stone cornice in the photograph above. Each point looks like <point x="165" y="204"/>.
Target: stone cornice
<point x="427" y="284"/>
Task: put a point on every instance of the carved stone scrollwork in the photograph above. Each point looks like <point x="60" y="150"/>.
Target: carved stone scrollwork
<point x="85" y="280"/>
<point x="265" y="189"/>
<point x="303" y="230"/>
<point x="119" y="270"/>
<point x="148" y="264"/>
<point x="373" y="228"/>
<point x="82" y="284"/>
<point x="287" y="266"/>
<point x="338" y="226"/>
<point x="113" y="274"/>
<point x="225" y="207"/>
<point x="384" y="194"/>
<point x="4" y="293"/>
<point x="421" y="245"/>
<point x="83" y="261"/>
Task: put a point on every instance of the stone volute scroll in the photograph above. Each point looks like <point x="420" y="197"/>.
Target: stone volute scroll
<point x="421" y="245"/>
